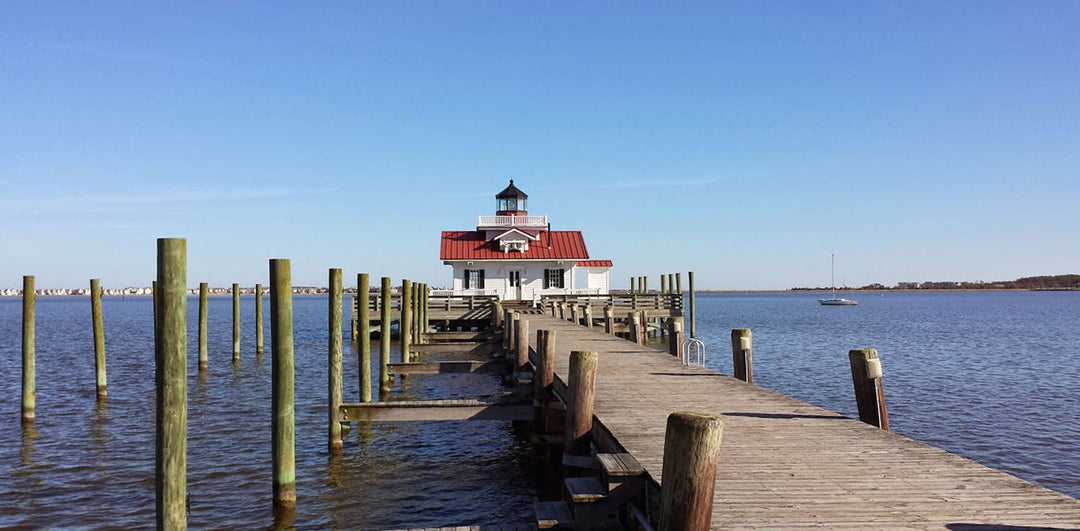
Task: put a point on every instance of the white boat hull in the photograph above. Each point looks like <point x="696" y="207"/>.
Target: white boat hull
<point x="838" y="302"/>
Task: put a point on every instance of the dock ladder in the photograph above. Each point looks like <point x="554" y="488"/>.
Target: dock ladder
<point x="693" y="352"/>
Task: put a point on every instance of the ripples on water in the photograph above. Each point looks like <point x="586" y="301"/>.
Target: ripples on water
<point x="990" y="376"/>
<point x="90" y="466"/>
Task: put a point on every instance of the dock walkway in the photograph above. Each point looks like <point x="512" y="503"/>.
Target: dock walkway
<point x="785" y="464"/>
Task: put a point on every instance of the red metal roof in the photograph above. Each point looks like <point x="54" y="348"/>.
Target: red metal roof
<point x="553" y="245"/>
<point x="594" y="263"/>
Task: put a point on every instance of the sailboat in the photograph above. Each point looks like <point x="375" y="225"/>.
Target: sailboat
<point x="834" y="300"/>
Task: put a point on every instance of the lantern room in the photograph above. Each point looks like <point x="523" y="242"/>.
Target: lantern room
<point x="511" y="202"/>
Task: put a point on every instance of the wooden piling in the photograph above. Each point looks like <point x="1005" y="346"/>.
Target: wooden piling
<point x="693" y="306"/>
<point x="283" y="458"/>
<point x="869" y="392"/>
<point x="426" y="295"/>
<point x="521" y="348"/>
<point x="259" y="349"/>
<point x="633" y="321"/>
<point x="334" y="352"/>
<point x="691" y="449"/>
<point x="544" y="378"/>
<point x="364" y="317"/>
<point x="405" y="323"/>
<point x="545" y="364"/>
<point x="742" y="359"/>
<point x="579" y="408"/>
<point x="587" y="311"/>
<point x="633" y="284"/>
<point x="609" y="320"/>
<point x="678" y="283"/>
<point x="663" y="284"/>
<point x="496" y="314"/>
<point x="29" y="377"/>
<point x="99" y="337"/>
<point x="574" y="314"/>
<point x="235" y="323"/>
<point x="512" y="334"/>
<point x="204" y="357"/>
<point x="170" y="375"/>
<point x="384" y="336"/>
<point x="675" y="336"/>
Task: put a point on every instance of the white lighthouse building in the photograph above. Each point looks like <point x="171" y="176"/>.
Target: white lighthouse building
<point x="517" y="256"/>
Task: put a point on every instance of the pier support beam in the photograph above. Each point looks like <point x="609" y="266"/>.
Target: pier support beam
<point x="259" y="320"/>
<point x="869" y="392"/>
<point x="29" y="369"/>
<point x="99" y="337"/>
<point x="384" y="336"/>
<point x="204" y="358"/>
<point x="742" y="358"/>
<point x="283" y="457"/>
<point x="363" y="316"/>
<point x="236" y="323"/>
<point x="675" y="336"/>
<point x="691" y="449"/>
<point x="170" y="378"/>
<point x="334" y="354"/>
<point x="405" y="323"/>
<point x="521" y="345"/>
<point x="579" y="405"/>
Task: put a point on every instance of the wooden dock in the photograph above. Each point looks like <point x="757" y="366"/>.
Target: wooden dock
<point x="785" y="464"/>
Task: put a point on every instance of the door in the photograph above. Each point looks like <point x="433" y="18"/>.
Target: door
<point x="513" y="288"/>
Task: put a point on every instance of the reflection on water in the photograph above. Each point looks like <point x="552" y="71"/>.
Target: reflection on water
<point x="86" y="463"/>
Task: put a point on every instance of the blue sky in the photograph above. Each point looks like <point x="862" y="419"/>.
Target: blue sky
<point x="746" y="141"/>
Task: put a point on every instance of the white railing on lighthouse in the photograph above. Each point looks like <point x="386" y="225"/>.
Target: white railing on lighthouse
<point x="512" y="221"/>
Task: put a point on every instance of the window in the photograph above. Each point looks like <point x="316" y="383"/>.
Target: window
<point x="474" y="279"/>
<point x="553" y="278"/>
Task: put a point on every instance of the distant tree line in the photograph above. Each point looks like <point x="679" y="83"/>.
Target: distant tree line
<point x="1048" y="282"/>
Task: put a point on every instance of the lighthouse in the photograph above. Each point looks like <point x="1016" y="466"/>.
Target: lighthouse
<point x="516" y="256"/>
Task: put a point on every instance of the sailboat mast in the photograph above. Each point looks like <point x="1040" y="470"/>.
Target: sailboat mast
<point x="833" y="270"/>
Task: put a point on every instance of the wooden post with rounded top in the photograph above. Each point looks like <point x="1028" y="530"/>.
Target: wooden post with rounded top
<point x="521" y="347"/>
<point x="691" y="449"/>
<point x="675" y="336"/>
<point x="384" y="336"/>
<point x="204" y="357"/>
<point x="170" y="378"/>
<point x="869" y="392"/>
<point x="405" y="323"/>
<point x="579" y="408"/>
<point x="99" y="337"/>
<point x="259" y="320"/>
<point x="609" y="320"/>
<point x="633" y="321"/>
<point x="29" y="366"/>
<point x="574" y="314"/>
<point x="587" y="311"/>
<point x="363" y="315"/>
<point x="283" y="457"/>
<point x="663" y="284"/>
<point x="235" y="323"/>
<point x="496" y="314"/>
<point x="742" y="357"/>
<point x="334" y="354"/>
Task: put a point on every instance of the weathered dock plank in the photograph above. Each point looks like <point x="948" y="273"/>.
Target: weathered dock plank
<point x="785" y="464"/>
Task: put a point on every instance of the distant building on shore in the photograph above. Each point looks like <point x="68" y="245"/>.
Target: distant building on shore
<point x="517" y="256"/>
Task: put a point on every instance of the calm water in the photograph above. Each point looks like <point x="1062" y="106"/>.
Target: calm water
<point x="990" y="376"/>
<point x="84" y="466"/>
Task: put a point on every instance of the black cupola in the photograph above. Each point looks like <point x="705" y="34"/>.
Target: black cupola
<point x="511" y="201"/>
